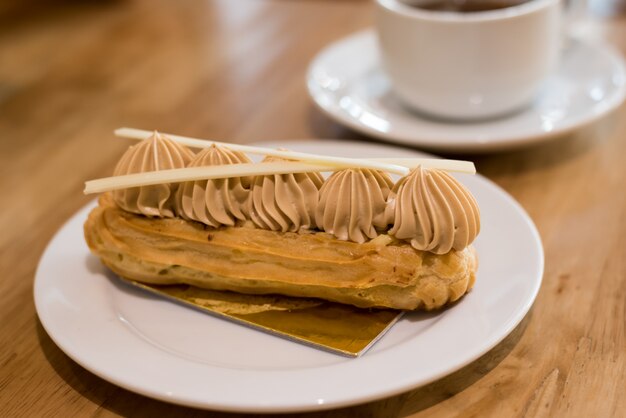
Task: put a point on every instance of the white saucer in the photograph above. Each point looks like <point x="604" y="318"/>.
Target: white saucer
<point x="167" y="351"/>
<point x="345" y="80"/>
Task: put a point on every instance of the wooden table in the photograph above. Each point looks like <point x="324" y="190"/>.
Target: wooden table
<point x="71" y="72"/>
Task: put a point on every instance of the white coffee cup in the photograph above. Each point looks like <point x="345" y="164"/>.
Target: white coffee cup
<point x="469" y="65"/>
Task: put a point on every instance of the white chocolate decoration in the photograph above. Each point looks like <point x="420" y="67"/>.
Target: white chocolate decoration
<point x="352" y="204"/>
<point x="152" y="154"/>
<point x="434" y="211"/>
<point x="215" y="202"/>
<point x="285" y="202"/>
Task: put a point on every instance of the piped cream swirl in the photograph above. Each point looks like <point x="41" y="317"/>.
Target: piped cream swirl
<point x="215" y="202"/>
<point x="434" y="211"/>
<point x="152" y="154"/>
<point x="285" y="202"/>
<point x="352" y="204"/>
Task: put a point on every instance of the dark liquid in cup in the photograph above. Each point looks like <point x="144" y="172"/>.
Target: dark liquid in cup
<point x="466" y="6"/>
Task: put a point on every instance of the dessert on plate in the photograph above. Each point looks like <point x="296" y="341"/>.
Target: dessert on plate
<point x="279" y="227"/>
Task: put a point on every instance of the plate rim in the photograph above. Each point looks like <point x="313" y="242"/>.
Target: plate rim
<point x="408" y="384"/>
<point x="470" y="144"/>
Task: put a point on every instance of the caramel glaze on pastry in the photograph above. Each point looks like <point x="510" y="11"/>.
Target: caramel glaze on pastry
<point x="383" y="272"/>
<point x="355" y="238"/>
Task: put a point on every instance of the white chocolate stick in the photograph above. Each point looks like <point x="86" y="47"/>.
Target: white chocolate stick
<point x="332" y="162"/>
<point x="458" y="166"/>
<point x="199" y="173"/>
<point x="447" y="165"/>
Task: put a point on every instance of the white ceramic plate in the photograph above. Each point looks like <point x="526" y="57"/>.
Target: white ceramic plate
<point x="169" y="352"/>
<point x="345" y="80"/>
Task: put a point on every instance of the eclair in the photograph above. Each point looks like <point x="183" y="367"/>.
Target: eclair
<point x="354" y="238"/>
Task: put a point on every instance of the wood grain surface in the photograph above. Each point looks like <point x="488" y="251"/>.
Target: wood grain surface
<point x="72" y="71"/>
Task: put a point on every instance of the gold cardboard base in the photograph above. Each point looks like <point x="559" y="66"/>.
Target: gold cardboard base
<point x="341" y="329"/>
